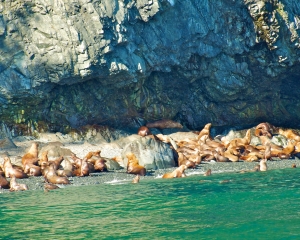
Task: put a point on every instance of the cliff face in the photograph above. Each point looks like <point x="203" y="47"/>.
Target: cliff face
<point x="68" y="63"/>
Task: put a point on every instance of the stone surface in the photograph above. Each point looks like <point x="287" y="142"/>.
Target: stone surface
<point x="152" y="154"/>
<point x="70" y="63"/>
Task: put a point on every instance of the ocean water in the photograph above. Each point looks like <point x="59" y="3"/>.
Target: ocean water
<point x="260" y="205"/>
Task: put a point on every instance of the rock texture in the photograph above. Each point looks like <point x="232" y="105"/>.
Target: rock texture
<point x="69" y="63"/>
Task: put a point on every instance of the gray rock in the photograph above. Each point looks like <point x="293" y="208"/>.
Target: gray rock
<point x="152" y="154"/>
<point x="122" y="63"/>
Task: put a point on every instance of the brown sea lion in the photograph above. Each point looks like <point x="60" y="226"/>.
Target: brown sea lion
<point x="136" y="179"/>
<point x="177" y="173"/>
<point x="144" y="131"/>
<point x="220" y="158"/>
<point x="81" y="167"/>
<point x="3" y="182"/>
<point x="100" y="165"/>
<point x="56" y="162"/>
<point x="10" y="171"/>
<point x="205" y="133"/>
<point x="267" y="154"/>
<point x="32" y="155"/>
<point x="50" y="186"/>
<point x="133" y="166"/>
<point x="43" y="159"/>
<point x="290" y="134"/>
<point x="230" y="156"/>
<point x="164" y="123"/>
<point x="263" y="165"/>
<point x="64" y="173"/>
<point x="91" y="154"/>
<point x="183" y="160"/>
<point x="207" y="173"/>
<point x="51" y="176"/>
<point x="32" y="170"/>
<point x="14" y="186"/>
<point x="255" y="169"/>
<point x="264" y="129"/>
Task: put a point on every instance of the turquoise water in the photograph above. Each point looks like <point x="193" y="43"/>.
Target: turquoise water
<point x="261" y="205"/>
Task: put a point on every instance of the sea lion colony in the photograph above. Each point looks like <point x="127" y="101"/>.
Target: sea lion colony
<point x="189" y="153"/>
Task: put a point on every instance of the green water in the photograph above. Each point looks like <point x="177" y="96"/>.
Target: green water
<point x="262" y="205"/>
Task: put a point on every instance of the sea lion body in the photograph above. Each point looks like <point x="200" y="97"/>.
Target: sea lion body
<point x="50" y="186"/>
<point x="177" y="173"/>
<point x="56" y="163"/>
<point x="133" y="167"/>
<point x="263" y="165"/>
<point x="4" y="183"/>
<point x="182" y="160"/>
<point x="32" y="170"/>
<point x="64" y="173"/>
<point x="14" y="186"/>
<point x="10" y="171"/>
<point x="136" y="179"/>
<point x="52" y="177"/>
<point x="207" y="173"/>
<point x="100" y="165"/>
<point x="91" y="154"/>
<point x="32" y="155"/>
<point x="164" y="123"/>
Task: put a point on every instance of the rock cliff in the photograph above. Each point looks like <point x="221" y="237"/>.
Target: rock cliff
<point x="122" y="63"/>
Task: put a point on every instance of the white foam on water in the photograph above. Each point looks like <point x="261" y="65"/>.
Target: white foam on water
<point x="117" y="181"/>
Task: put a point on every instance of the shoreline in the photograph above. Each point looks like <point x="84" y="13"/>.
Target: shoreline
<point x="121" y="177"/>
<point x="82" y="148"/>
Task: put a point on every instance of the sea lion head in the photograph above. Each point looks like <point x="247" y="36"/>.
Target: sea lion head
<point x="144" y="131"/>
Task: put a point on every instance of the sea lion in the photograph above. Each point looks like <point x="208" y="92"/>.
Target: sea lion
<point x="43" y="159"/>
<point x="10" y="171"/>
<point x="91" y="154"/>
<point x="32" y="155"/>
<point x="50" y="186"/>
<point x="164" y="123"/>
<point x="100" y="165"/>
<point x="290" y="134"/>
<point x="230" y="156"/>
<point x="136" y="179"/>
<point x="51" y="176"/>
<point x="267" y="154"/>
<point x="264" y="129"/>
<point x="255" y="169"/>
<point x="3" y="182"/>
<point x="64" y="173"/>
<point x="81" y="167"/>
<point x="177" y="173"/>
<point x="56" y="163"/>
<point x="263" y="165"/>
<point x="144" y="131"/>
<point x="32" y="170"/>
<point x="14" y="186"/>
<point x="207" y="173"/>
<point x="182" y="160"/>
<point x="220" y="158"/>
<point x="294" y="165"/>
<point x="133" y="166"/>
<point x="205" y="133"/>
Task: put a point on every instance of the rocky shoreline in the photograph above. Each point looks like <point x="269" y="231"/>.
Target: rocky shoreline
<point x="152" y="153"/>
<point x="121" y="177"/>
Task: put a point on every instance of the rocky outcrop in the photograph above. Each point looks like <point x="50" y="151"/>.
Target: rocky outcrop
<point x="152" y="154"/>
<point x="69" y="63"/>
